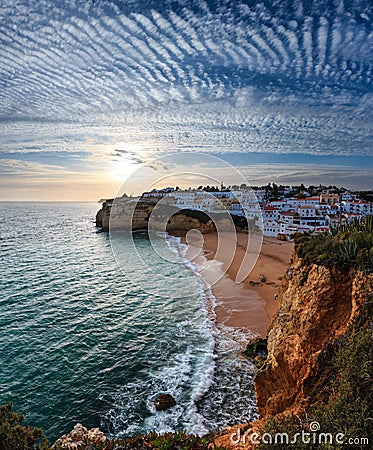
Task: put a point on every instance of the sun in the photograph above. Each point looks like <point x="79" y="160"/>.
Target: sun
<point x="125" y="160"/>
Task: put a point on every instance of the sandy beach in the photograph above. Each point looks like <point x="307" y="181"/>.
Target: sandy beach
<point x="244" y="285"/>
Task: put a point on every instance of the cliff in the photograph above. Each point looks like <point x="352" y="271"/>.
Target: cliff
<point x="319" y="344"/>
<point x="103" y="217"/>
<point x="123" y="215"/>
<point x="317" y="305"/>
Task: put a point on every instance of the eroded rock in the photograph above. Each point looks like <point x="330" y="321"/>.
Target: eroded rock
<point x="317" y="304"/>
<point x="163" y="402"/>
<point x="78" y="436"/>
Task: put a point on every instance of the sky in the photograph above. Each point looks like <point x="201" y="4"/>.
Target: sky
<point x="90" y="90"/>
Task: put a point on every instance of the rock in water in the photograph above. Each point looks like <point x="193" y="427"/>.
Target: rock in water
<point x="163" y="402"/>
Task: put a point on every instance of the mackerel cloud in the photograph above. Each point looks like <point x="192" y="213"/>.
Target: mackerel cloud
<point x="270" y="76"/>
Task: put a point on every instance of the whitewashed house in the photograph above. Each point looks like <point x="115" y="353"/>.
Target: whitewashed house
<point x="360" y="207"/>
<point x="289" y="217"/>
<point x="261" y="195"/>
<point x="270" y="213"/>
<point x="310" y="215"/>
<point x="271" y="228"/>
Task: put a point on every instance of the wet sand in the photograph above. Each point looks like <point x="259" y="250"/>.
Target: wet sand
<point x="243" y="285"/>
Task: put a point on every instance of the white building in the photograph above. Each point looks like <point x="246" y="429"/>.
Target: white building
<point x="184" y="199"/>
<point x="291" y="229"/>
<point x="310" y="215"/>
<point x="322" y="229"/>
<point x="296" y="203"/>
<point x="283" y="217"/>
<point x="358" y="207"/>
<point x="236" y="206"/>
<point x="312" y="201"/>
<point x="289" y="217"/>
<point x="155" y="193"/>
<point x="252" y="211"/>
<point x="270" y="213"/>
<point x="348" y="196"/>
<point x="261" y="195"/>
<point x="280" y="204"/>
<point x="271" y="228"/>
<point x="204" y="202"/>
<point x="223" y="194"/>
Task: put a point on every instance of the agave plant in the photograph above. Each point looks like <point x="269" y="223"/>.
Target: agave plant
<point x="368" y="224"/>
<point x="334" y="230"/>
<point x="348" y="249"/>
<point x="364" y="225"/>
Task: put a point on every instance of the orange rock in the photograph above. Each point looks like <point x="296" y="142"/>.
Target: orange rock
<point x="317" y="304"/>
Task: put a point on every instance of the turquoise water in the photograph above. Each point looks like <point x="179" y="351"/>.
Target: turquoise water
<point x="80" y="342"/>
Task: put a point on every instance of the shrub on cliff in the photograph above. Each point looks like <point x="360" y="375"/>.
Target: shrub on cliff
<point x="347" y="246"/>
<point x="341" y="400"/>
<point x="321" y="250"/>
<point x="153" y="440"/>
<point x="201" y="216"/>
<point x="16" y="436"/>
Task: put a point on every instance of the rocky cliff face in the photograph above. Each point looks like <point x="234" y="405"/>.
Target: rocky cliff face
<point x="317" y="304"/>
<point x="103" y="216"/>
<point x="122" y="216"/>
<point x="80" y="437"/>
<point x="176" y="220"/>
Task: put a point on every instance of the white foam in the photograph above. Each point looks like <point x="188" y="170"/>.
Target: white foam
<point x="212" y="360"/>
<point x="226" y="343"/>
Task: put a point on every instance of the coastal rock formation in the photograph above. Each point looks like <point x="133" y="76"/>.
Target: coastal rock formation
<point x="257" y="351"/>
<point x="78" y="436"/>
<point x="103" y="217"/>
<point x="182" y="222"/>
<point x="163" y="402"/>
<point x="317" y="304"/>
<point x="128" y="216"/>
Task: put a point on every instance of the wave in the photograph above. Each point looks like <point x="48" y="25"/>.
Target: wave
<point x="194" y="359"/>
<point x="227" y="397"/>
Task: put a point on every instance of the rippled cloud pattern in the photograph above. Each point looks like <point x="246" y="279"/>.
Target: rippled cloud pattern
<point x="245" y="76"/>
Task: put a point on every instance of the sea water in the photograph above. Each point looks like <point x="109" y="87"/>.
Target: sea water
<point x="82" y="342"/>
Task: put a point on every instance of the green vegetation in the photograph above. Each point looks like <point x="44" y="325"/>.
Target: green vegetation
<point x="201" y="216"/>
<point x="16" y="436"/>
<point x="167" y="441"/>
<point x="345" y="247"/>
<point x="276" y="192"/>
<point x="341" y="399"/>
<point x="365" y="195"/>
<point x="256" y="348"/>
<point x="210" y="188"/>
<point x="340" y="391"/>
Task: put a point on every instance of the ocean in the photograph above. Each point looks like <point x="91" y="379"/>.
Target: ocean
<point x="82" y="341"/>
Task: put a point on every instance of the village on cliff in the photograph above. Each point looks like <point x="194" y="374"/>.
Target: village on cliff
<point x="280" y="211"/>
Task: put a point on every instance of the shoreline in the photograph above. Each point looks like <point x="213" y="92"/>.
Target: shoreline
<point x="250" y="304"/>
